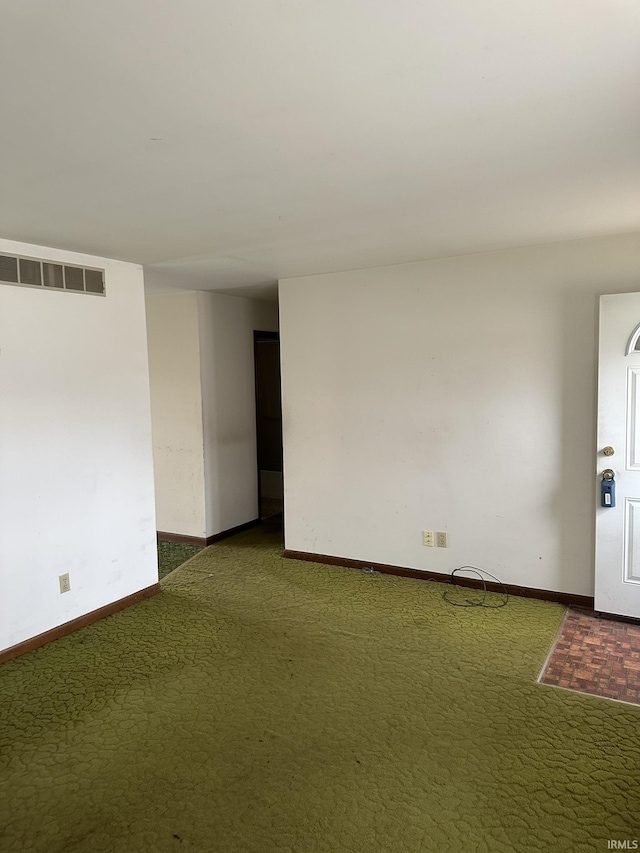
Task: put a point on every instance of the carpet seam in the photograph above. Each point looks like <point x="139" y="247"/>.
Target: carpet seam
<point x="186" y="562"/>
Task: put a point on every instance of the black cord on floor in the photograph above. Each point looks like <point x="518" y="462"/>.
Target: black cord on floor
<point x="468" y="602"/>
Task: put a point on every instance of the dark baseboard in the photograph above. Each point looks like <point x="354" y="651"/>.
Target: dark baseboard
<point x="524" y="591"/>
<point x="224" y="534"/>
<point x="209" y="540"/>
<point x="75" y="624"/>
<point x="181" y="538"/>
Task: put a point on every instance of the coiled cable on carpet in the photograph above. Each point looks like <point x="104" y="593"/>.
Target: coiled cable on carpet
<point x="468" y="602"/>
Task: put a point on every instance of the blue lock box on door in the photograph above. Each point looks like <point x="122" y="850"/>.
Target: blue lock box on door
<point x="608" y="488"/>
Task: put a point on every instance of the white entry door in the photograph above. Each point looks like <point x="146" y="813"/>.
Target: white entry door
<point x="618" y="527"/>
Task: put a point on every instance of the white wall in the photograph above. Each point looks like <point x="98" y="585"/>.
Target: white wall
<point x="176" y="412"/>
<point x="203" y="408"/>
<point x="226" y="326"/>
<point x="76" y="477"/>
<point x="454" y="395"/>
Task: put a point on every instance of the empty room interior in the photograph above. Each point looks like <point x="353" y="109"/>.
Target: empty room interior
<point x="319" y="426"/>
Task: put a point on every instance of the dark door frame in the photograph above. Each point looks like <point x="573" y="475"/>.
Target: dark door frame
<point x="260" y="337"/>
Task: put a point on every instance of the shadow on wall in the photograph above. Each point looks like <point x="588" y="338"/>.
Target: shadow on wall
<point x="572" y="485"/>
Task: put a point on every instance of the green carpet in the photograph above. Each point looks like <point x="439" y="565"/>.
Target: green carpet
<point x="173" y="554"/>
<point x="260" y="705"/>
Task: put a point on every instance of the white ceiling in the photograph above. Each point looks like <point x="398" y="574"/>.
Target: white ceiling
<point x="229" y="143"/>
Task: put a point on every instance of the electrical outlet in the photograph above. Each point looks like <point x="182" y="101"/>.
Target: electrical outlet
<point x="428" y="538"/>
<point x="65" y="583"/>
<point x="441" y="538"/>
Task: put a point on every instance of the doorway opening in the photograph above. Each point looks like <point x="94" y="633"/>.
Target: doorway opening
<point x="266" y="349"/>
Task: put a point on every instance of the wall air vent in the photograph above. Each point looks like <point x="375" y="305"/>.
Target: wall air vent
<point x="35" y="272"/>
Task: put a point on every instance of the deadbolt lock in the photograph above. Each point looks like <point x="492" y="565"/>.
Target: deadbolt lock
<point x="608" y="451"/>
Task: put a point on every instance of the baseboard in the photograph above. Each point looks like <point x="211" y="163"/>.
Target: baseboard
<point x="75" y="624"/>
<point x="182" y="538"/>
<point x="524" y="591"/>
<point x="224" y="534"/>
<point x="209" y="540"/>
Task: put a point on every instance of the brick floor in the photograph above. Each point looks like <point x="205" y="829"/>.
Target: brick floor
<point x="597" y="656"/>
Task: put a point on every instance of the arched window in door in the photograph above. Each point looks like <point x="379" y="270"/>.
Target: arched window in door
<point x="634" y="341"/>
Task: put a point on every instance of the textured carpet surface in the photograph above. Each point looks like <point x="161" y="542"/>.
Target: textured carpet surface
<point x="173" y="554"/>
<point x="259" y="704"/>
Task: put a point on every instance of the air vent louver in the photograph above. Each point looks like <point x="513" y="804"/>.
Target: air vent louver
<point x="32" y="272"/>
<point x="74" y="278"/>
<point x="93" y="281"/>
<point x="52" y="275"/>
<point x="8" y="269"/>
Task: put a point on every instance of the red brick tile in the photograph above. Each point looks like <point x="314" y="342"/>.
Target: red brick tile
<point x="597" y="656"/>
